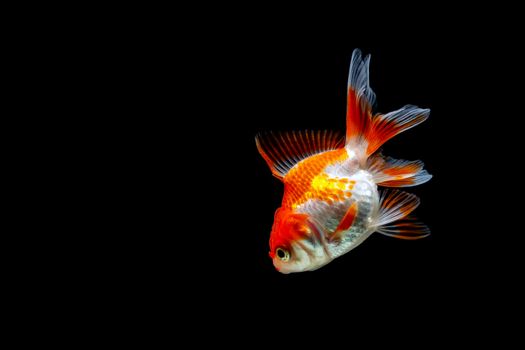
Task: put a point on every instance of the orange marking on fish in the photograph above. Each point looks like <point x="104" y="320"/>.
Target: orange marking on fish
<point x="307" y="179"/>
<point x="287" y="227"/>
<point x="402" y="170"/>
<point x="398" y="183"/>
<point x="357" y="116"/>
<point x="348" y="219"/>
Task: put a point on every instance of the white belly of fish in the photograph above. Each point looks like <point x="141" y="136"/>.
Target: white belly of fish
<point x="328" y="216"/>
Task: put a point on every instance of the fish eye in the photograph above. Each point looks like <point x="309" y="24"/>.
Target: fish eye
<point x="282" y="254"/>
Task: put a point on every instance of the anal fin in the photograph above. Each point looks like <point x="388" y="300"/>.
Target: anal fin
<point x="393" y="217"/>
<point x="407" y="228"/>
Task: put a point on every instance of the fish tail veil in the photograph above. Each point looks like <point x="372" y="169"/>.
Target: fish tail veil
<point x="390" y="172"/>
<point x="366" y="131"/>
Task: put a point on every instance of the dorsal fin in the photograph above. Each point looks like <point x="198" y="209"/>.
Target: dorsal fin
<point x="282" y="151"/>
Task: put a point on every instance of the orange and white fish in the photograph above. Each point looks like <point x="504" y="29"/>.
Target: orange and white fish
<point x="331" y="201"/>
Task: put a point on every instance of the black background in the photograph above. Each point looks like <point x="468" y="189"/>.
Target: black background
<point x="213" y="196"/>
<point x="300" y="83"/>
<point x="183" y="204"/>
<point x="302" y="86"/>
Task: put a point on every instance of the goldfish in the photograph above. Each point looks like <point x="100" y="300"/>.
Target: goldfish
<point x="332" y="199"/>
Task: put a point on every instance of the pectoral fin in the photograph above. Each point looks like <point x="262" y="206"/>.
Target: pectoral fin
<point x="346" y="222"/>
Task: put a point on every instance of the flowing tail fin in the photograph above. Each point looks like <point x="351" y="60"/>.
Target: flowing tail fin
<point x="366" y="132"/>
<point x="392" y="172"/>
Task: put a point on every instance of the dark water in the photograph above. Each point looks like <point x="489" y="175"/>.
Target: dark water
<point x="215" y="197"/>
<point x="302" y="86"/>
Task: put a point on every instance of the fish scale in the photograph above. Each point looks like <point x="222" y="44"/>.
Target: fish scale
<point x="366" y="195"/>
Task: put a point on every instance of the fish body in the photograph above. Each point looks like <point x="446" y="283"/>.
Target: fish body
<point x="331" y="200"/>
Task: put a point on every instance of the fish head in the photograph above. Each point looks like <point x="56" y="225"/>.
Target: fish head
<point x="296" y="243"/>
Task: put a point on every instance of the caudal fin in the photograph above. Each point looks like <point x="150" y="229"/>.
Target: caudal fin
<point x="365" y="131"/>
<point x="390" y="172"/>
